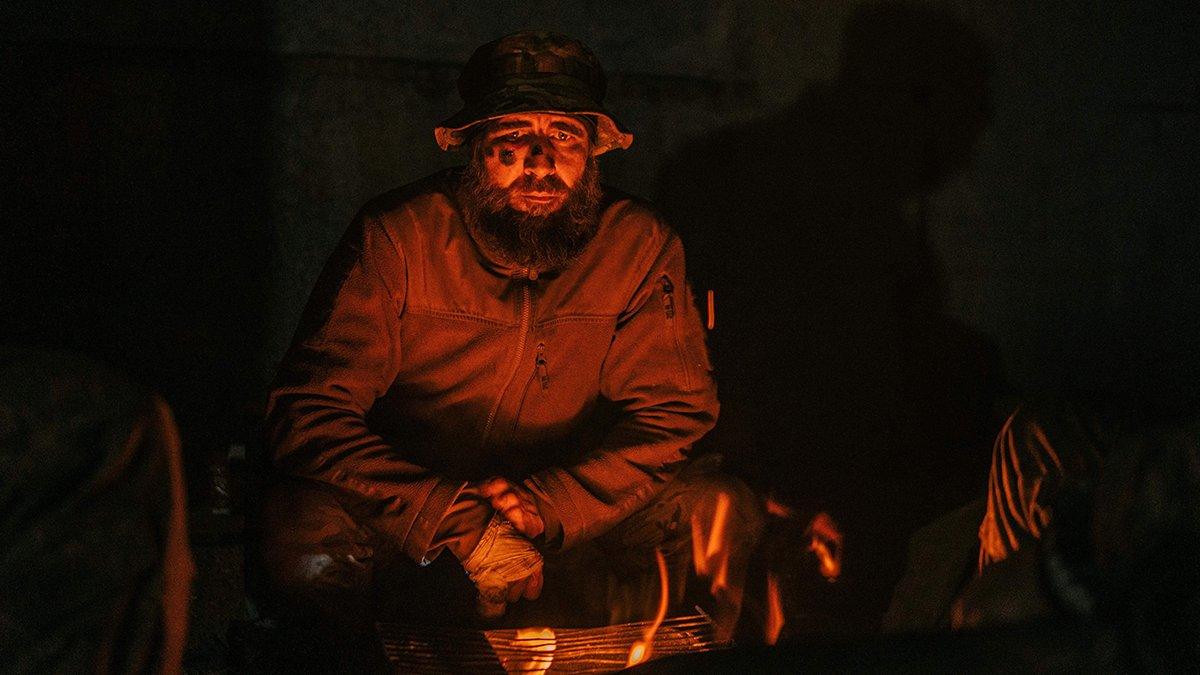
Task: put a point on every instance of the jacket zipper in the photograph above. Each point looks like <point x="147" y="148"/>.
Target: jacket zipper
<point x="668" y="300"/>
<point x="522" y="335"/>
<point x="542" y="370"/>
<point x="668" y="296"/>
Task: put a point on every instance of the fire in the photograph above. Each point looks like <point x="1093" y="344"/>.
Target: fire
<point x="717" y="538"/>
<point x="707" y="548"/>
<point x="640" y="651"/>
<point x="532" y="650"/>
<point x="778" y="509"/>
<point x="774" y="610"/>
<point x="827" y="545"/>
<point x="720" y="580"/>
<point x="637" y="654"/>
<point x="699" y="555"/>
<point x="541" y="641"/>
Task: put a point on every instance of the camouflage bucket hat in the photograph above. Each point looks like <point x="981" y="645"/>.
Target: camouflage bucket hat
<point x="532" y="71"/>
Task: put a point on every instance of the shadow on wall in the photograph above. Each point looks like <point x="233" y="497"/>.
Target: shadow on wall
<point x="845" y="385"/>
<point x="137" y="230"/>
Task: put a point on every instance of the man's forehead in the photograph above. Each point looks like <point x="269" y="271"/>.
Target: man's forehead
<point x="551" y="120"/>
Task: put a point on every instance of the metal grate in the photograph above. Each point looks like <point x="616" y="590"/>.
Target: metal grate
<point x="414" y="649"/>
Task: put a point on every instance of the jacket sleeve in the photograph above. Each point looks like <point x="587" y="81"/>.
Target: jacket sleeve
<point x="657" y="373"/>
<point x="345" y="355"/>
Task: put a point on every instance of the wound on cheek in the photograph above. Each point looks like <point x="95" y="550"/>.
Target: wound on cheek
<point x="507" y="158"/>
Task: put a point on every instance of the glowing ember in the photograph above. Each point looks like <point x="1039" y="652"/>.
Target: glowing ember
<point x="640" y="651"/>
<point x="541" y="642"/>
<point x="827" y="545"/>
<point x="637" y="654"/>
<point x="532" y="651"/>
<point x="774" y="624"/>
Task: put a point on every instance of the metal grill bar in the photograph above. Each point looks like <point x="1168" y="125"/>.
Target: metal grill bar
<point x="419" y="649"/>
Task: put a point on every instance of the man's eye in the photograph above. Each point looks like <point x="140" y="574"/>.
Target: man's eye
<point x="563" y="136"/>
<point x="512" y="136"/>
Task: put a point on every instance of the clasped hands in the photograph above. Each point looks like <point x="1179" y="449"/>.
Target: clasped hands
<point x="514" y="502"/>
<point x="505" y="566"/>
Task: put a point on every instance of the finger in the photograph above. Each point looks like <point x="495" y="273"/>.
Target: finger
<point x="533" y="589"/>
<point x="517" y="518"/>
<point x="531" y="524"/>
<point x="490" y="601"/>
<point x="493" y="486"/>
<point x="525" y="522"/>
<point x="506" y="500"/>
<point x="514" y="511"/>
<point x="516" y="589"/>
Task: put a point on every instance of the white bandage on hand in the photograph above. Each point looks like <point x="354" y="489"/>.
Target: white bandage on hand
<point x="502" y="557"/>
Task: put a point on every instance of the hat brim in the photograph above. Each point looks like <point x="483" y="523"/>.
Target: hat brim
<point x="526" y="94"/>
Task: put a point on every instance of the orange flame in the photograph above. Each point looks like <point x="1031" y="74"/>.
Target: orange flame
<point x="640" y="651"/>
<point x="774" y="623"/>
<point x="827" y="545"/>
<point x="777" y="509"/>
<point x="706" y="548"/>
<point x="716" y="538"/>
<point x="699" y="559"/>
<point x="720" y="580"/>
<point x="637" y="654"/>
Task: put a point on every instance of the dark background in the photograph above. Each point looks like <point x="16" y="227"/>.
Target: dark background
<point x="905" y="211"/>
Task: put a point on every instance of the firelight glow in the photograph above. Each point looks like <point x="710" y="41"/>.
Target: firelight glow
<point x="706" y="547"/>
<point x="774" y="623"/>
<point x="777" y="509"/>
<point x="709" y="554"/>
<point x="827" y="545"/>
<point x="640" y="651"/>
<point x="541" y="642"/>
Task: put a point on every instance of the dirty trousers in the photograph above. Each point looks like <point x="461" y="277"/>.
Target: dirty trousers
<point x="315" y="557"/>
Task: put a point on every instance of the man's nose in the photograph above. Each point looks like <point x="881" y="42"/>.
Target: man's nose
<point x="539" y="163"/>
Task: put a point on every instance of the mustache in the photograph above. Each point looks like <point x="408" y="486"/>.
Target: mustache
<point x="547" y="183"/>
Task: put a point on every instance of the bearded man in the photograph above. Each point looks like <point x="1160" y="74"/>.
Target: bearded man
<point x="502" y="361"/>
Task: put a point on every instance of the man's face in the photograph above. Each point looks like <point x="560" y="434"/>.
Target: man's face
<point x="536" y="158"/>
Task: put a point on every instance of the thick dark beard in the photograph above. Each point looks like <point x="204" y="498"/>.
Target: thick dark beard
<point x="539" y="240"/>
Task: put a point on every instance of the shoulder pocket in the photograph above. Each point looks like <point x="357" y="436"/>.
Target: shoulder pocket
<point x="678" y="310"/>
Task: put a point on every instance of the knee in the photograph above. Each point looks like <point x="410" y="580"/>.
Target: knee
<point x="306" y="513"/>
<point x="714" y="497"/>
<point x="306" y="555"/>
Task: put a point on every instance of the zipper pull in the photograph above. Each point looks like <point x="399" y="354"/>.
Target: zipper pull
<point x="543" y="374"/>
<point x="668" y="297"/>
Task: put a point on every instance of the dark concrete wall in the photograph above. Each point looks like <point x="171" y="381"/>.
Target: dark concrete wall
<point x="135" y="195"/>
<point x="176" y="174"/>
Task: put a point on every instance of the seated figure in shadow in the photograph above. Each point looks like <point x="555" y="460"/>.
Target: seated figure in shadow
<point x="93" y="524"/>
<point x="1090" y="527"/>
